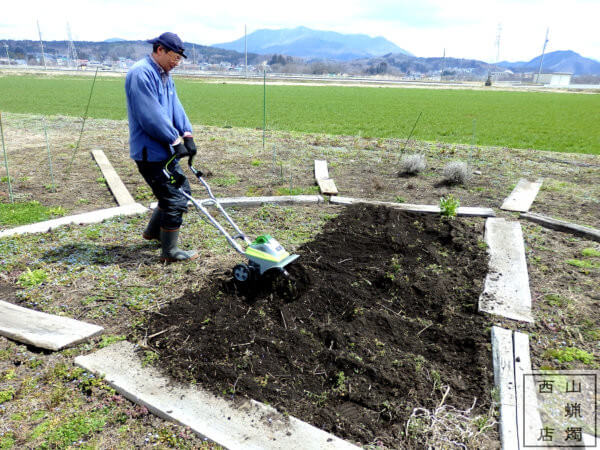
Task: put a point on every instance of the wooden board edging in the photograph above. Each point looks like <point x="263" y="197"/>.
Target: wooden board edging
<point x="561" y="225"/>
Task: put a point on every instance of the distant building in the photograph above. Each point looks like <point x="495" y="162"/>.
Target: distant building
<point x="553" y="79"/>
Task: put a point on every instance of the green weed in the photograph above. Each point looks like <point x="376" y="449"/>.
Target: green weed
<point x="556" y="300"/>
<point x="110" y="339"/>
<point x="7" y="395"/>
<point x="298" y="191"/>
<point x="23" y="213"/>
<point x="449" y="206"/>
<point x="583" y="264"/>
<point x="150" y="358"/>
<point x="228" y="180"/>
<point x="32" y="278"/>
<point x="77" y="427"/>
<point x="7" y="440"/>
<point x="591" y="253"/>
<point x="569" y="354"/>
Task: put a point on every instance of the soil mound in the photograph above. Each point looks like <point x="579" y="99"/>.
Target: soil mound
<point x="380" y="315"/>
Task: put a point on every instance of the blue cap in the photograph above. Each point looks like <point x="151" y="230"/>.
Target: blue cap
<point x="170" y="41"/>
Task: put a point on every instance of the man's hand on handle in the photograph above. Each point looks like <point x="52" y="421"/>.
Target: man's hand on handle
<point x="189" y="143"/>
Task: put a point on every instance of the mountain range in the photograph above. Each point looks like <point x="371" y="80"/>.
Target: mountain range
<point x="314" y="44"/>
<point x="558" y="61"/>
<point x="302" y="50"/>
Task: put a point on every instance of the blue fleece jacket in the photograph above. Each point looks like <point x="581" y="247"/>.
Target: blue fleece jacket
<point x="156" y="117"/>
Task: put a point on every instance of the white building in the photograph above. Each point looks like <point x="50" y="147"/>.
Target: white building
<point x="553" y="79"/>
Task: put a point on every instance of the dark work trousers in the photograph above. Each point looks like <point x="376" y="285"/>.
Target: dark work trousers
<point x="170" y="200"/>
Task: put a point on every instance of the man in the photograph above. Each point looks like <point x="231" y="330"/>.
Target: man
<point x="159" y="129"/>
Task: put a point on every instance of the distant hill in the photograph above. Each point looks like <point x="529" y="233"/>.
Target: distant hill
<point x="314" y="44"/>
<point x="558" y="61"/>
<point x="114" y="40"/>
<point x="412" y="64"/>
<point x="113" y="49"/>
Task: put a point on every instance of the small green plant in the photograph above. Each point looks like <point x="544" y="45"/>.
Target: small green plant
<point x="32" y="278"/>
<point x="340" y="382"/>
<point x="150" y="358"/>
<point x="556" y="300"/>
<point x="77" y="427"/>
<point x="110" y="339"/>
<point x="57" y="211"/>
<point x="143" y="192"/>
<point x="22" y="213"/>
<point x="298" y="191"/>
<point x="228" y="180"/>
<point x="583" y="264"/>
<point x="591" y="252"/>
<point x="8" y="375"/>
<point x="449" y="206"/>
<point x="101" y="180"/>
<point x="7" y="395"/>
<point x="257" y="162"/>
<point x="569" y="354"/>
<point x="400" y="199"/>
<point x="7" y="440"/>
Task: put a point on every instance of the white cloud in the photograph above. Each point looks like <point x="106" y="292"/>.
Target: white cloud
<point x="465" y="28"/>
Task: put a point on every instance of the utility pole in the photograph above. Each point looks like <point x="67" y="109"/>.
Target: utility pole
<point x="245" y="52"/>
<point x="42" y="45"/>
<point x="443" y="64"/>
<point x="7" y="55"/>
<point x="498" y="43"/>
<point x="71" y="52"/>
<point x="542" y="58"/>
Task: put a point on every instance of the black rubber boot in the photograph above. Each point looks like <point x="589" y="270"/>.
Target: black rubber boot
<point x="170" y="251"/>
<point x="152" y="231"/>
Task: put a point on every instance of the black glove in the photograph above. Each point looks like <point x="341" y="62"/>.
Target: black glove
<point x="180" y="150"/>
<point x="190" y="145"/>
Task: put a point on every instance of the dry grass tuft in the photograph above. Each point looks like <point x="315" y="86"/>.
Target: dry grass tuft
<point x="412" y="164"/>
<point x="456" y="172"/>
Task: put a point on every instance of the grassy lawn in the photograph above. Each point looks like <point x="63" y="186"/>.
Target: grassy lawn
<point x="544" y="121"/>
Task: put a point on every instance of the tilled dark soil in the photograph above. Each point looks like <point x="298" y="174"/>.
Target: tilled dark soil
<point x="381" y="317"/>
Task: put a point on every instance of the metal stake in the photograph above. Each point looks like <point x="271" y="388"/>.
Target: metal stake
<point x="68" y="171"/>
<point x="411" y="132"/>
<point x="10" y="192"/>
<point x="264" y="105"/>
<point x="49" y="156"/>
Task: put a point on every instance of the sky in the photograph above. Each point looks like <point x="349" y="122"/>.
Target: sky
<point x="460" y="28"/>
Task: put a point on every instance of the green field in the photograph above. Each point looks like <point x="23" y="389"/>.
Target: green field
<point x="546" y="121"/>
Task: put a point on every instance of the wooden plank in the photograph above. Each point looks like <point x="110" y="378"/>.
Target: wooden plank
<point x="504" y="378"/>
<point x="522" y="196"/>
<point x="321" y="172"/>
<point x="528" y="416"/>
<point x="43" y="330"/>
<point x="116" y="186"/>
<point x="248" y="425"/>
<point x="506" y="288"/>
<point x="561" y="225"/>
<point x="85" y="218"/>
<point x="465" y="211"/>
<point x="327" y="186"/>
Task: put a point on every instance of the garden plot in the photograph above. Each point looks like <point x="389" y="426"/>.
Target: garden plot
<point x="381" y="319"/>
<point x="105" y="274"/>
